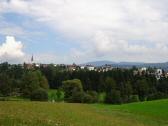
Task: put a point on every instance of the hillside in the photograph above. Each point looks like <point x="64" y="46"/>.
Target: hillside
<point x="152" y="113"/>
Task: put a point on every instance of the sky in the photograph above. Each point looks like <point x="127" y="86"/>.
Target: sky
<point x="68" y="31"/>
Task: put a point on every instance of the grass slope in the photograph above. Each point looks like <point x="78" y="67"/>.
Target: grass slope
<point x="154" y="113"/>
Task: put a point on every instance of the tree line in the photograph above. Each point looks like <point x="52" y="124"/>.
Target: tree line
<point x="18" y="81"/>
<point x="117" y="85"/>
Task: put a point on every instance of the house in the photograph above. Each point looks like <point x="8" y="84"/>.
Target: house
<point x="158" y="73"/>
<point x="73" y="67"/>
<point x="44" y="65"/>
<point x="28" y="65"/>
<point x="166" y="74"/>
<point x="37" y="65"/>
<point x="106" y="68"/>
<point x="135" y="72"/>
<point x="82" y="67"/>
<point x="90" y="67"/>
<point x="143" y="69"/>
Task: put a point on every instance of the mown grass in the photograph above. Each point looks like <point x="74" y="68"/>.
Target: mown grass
<point x="26" y="113"/>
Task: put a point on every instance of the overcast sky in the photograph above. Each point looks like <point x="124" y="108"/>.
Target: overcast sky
<point x="67" y="31"/>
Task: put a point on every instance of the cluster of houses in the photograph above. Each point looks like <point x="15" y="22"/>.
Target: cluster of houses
<point x="72" y="67"/>
<point x="75" y="67"/>
<point x="158" y="73"/>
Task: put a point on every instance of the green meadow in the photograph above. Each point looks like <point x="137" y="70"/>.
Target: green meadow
<point x="26" y="113"/>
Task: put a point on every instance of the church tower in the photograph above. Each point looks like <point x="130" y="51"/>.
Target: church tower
<point x="32" y="59"/>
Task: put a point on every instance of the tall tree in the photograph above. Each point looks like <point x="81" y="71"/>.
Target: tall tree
<point x="5" y="85"/>
<point x="143" y="89"/>
<point x="73" y="90"/>
<point x="110" y="84"/>
<point x="32" y="80"/>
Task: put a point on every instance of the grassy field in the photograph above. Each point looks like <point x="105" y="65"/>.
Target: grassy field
<point x="26" y="113"/>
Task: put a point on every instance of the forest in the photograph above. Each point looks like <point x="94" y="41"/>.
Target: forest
<point x="83" y="86"/>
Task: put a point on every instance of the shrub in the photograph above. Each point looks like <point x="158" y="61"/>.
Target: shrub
<point x="31" y="81"/>
<point x="94" y="96"/>
<point x="134" y="98"/>
<point x="125" y="98"/>
<point x="102" y="97"/>
<point x="73" y="90"/>
<point x="113" y="97"/>
<point x="155" y="96"/>
<point x="5" y="85"/>
<point x="2" y="99"/>
<point x="39" y="95"/>
<point x="77" y="97"/>
<point x="90" y="97"/>
<point x="1" y="94"/>
<point x="60" y="95"/>
<point x="52" y="96"/>
<point x="87" y="98"/>
<point x="55" y="95"/>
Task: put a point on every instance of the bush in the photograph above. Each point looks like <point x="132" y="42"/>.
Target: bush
<point x="90" y="97"/>
<point x="113" y="97"/>
<point x="77" y="97"/>
<point x="4" y="99"/>
<point x="125" y="98"/>
<point x="52" y="96"/>
<point x="31" y="81"/>
<point x="73" y="90"/>
<point x="134" y="98"/>
<point x="143" y="98"/>
<point x="60" y="95"/>
<point x="155" y="96"/>
<point x="87" y="98"/>
<point x="102" y="97"/>
<point x="5" y="85"/>
<point x="1" y="95"/>
<point x="39" y="95"/>
<point x="55" y="95"/>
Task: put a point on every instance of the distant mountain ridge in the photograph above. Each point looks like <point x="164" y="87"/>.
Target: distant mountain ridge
<point x="99" y="63"/>
<point x="128" y="64"/>
<point x="103" y="62"/>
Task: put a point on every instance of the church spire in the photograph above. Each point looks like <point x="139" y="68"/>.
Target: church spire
<point x="32" y="59"/>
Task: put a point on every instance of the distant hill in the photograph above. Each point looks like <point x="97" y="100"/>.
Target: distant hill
<point x="99" y="63"/>
<point x="128" y="64"/>
<point x="157" y="65"/>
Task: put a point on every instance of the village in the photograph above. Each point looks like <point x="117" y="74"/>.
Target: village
<point x="157" y="72"/>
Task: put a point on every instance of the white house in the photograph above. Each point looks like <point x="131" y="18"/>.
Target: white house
<point x="90" y="67"/>
<point x="82" y="67"/>
<point x="143" y="69"/>
<point x="37" y="65"/>
<point x="158" y="73"/>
